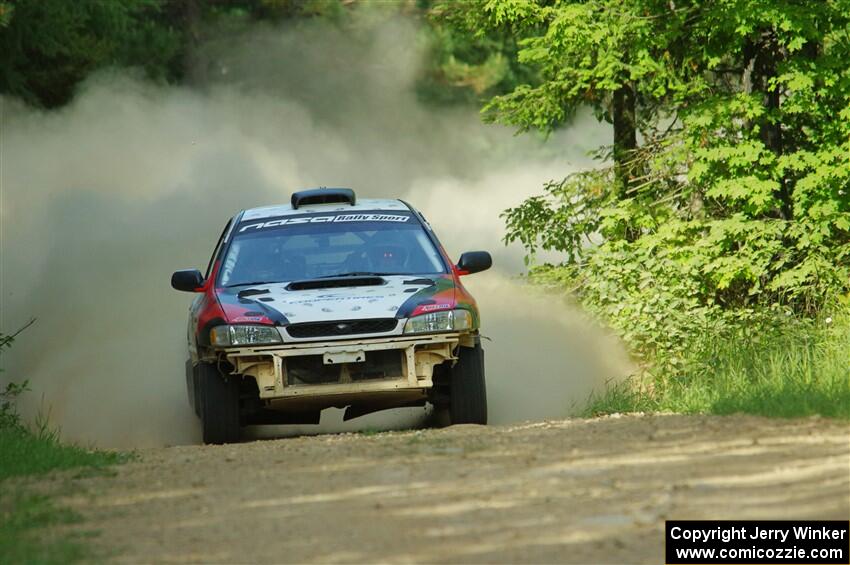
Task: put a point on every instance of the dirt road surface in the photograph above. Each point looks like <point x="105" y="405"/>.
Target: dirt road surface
<point x="577" y="491"/>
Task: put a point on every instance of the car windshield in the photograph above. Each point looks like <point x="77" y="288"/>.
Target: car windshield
<point x="328" y="245"/>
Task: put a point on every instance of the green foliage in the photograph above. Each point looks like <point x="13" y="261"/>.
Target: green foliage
<point x="564" y="219"/>
<point x="735" y="214"/>
<point x="6" y="10"/>
<point x="277" y="10"/>
<point x="48" y="46"/>
<point x="580" y="51"/>
<point x="463" y="67"/>
<point x="793" y="368"/>
<point x="743" y="203"/>
<point x="9" y="417"/>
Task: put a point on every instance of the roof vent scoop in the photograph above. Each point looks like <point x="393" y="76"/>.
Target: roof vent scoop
<point x="323" y="196"/>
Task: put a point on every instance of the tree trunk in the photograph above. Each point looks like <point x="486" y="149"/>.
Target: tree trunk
<point x="195" y="67"/>
<point x="625" y="136"/>
<point x="767" y="56"/>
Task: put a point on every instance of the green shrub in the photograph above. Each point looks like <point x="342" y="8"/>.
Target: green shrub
<point x="9" y="393"/>
<point x="9" y="417"/>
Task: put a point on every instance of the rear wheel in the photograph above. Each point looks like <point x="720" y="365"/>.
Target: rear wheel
<point x="468" y="392"/>
<point x="219" y="397"/>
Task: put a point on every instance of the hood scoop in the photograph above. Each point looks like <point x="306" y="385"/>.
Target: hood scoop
<point x="426" y="282"/>
<point x="335" y="282"/>
<point x="252" y="292"/>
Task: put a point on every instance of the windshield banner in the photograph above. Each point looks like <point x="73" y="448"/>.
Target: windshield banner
<point x="328" y="218"/>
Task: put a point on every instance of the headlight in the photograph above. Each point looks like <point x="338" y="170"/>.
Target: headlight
<point x="445" y="321"/>
<point x="232" y="336"/>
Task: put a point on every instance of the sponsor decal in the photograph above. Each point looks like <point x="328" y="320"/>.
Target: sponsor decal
<point x="333" y="299"/>
<point x="432" y="307"/>
<point x="243" y="319"/>
<point x="335" y="218"/>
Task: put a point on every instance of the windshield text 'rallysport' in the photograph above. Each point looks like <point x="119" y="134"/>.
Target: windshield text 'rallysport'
<point x="334" y="218"/>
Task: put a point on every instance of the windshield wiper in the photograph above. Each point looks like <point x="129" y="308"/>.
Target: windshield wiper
<point x="258" y="283"/>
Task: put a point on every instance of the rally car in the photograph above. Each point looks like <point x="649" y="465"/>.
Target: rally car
<point x="328" y="302"/>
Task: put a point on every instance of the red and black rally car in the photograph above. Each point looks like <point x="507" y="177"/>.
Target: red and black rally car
<point x="331" y="302"/>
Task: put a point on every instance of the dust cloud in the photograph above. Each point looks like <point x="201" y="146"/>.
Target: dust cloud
<point x="101" y="200"/>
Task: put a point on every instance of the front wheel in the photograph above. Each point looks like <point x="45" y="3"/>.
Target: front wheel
<point x="468" y="392"/>
<point x="219" y="405"/>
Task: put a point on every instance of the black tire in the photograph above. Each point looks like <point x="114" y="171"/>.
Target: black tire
<point x="219" y="405"/>
<point x="192" y="387"/>
<point x="468" y="392"/>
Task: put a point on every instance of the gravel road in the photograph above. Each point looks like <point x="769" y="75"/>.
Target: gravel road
<point x="573" y="491"/>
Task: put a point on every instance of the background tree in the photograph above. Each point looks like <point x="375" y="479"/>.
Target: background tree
<point x="727" y="197"/>
<point x="48" y="46"/>
<point x="611" y="55"/>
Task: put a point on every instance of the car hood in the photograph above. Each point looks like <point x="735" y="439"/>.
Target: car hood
<point x="395" y="297"/>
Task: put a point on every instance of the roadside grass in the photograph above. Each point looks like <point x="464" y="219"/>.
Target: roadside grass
<point x="26" y="453"/>
<point x="791" y="371"/>
<point x="31" y="524"/>
<point x="28" y="531"/>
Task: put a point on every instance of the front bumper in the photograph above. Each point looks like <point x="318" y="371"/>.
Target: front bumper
<point x="419" y="355"/>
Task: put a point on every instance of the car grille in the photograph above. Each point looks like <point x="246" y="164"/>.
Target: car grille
<point x="341" y="328"/>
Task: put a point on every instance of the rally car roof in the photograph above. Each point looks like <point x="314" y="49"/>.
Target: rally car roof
<point x="287" y="209"/>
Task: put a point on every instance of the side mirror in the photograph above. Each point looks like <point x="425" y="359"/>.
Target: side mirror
<point x="474" y="262"/>
<point x="187" y="280"/>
